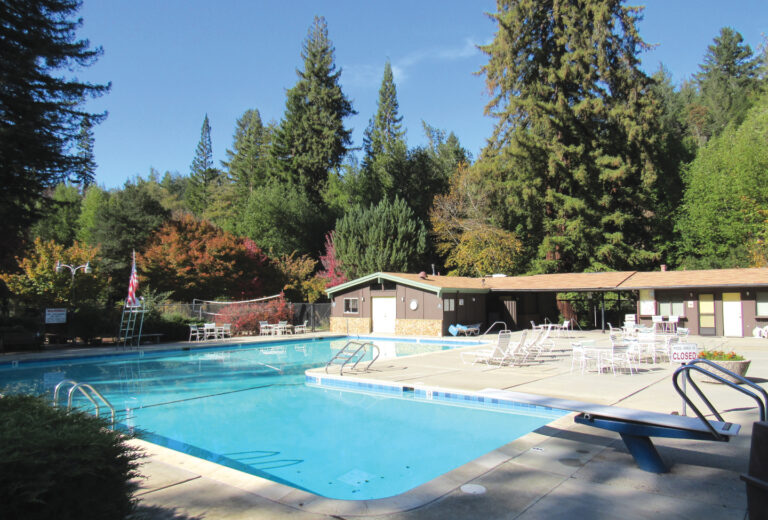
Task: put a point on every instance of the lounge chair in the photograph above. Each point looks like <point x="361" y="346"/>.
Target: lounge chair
<point x="498" y="352"/>
<point x="502" y="354"/>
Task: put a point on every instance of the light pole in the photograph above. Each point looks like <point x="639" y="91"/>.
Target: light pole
<point x="87" y="269"/>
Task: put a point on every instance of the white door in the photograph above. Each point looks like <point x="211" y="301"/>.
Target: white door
<point x="732" y="324"/>
<point x="383" y="313"/>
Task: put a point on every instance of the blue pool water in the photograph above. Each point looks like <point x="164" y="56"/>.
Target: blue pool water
<point x="248" y="407"/>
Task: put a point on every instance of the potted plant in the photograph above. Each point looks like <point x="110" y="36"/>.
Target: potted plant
<point x="729" y="361"/>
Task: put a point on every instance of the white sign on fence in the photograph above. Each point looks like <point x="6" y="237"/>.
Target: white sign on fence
<point x="55" y="315"/>
<point x="683" y="352"/>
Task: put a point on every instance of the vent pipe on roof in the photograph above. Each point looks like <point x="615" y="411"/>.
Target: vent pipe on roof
<point x="423" y="275"/>
<point x="433" y="269"/>
<point x="663" y="267"/>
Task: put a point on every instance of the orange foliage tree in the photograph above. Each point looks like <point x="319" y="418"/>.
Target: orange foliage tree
<point x="196" y="259"/>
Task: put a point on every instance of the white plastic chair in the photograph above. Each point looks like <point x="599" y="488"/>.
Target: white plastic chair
<point x="265" y="329"/>
<point x="195" y="334"/>
<point x="209" y="331"/>
<point x="657" y="323"/>
<point x="672" y="324"/>
<point x="300" y="329"/>
<point x="226" y="330"/>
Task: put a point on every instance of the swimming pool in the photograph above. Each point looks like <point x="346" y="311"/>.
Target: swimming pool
<point x="249" y="407"/>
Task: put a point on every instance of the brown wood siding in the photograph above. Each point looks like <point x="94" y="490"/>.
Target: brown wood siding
<point x="363" y="295"/>
<point x="427" y="304"/>
<point x="469" y="313"/>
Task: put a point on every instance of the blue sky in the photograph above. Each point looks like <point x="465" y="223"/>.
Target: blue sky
<point x="172" y="61"/>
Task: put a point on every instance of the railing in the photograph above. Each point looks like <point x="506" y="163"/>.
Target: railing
<point x="89" y="392"/>
<point x="494" y="324"/>
<point x="762" y="399"/>
<point x="354" y="352"/>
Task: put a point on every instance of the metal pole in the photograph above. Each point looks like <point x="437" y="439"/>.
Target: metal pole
<point x="685" y="391"/>
<point x="312" y="315"/>
<point x="602" y="309"/>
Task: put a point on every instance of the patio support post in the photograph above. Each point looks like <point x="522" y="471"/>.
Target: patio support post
<point x="602" y="309"/>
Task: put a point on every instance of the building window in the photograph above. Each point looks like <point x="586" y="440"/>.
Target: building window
<point x="762" y="303"/>
<point x="450" y="304"/>
<point x="671" y="305"/>
<point x="647" y="302"/>
<point x="350" y="305"/>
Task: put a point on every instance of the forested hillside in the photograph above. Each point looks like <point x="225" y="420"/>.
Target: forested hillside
<point x="592" y="165"/>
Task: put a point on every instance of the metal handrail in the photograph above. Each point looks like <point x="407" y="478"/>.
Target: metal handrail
<point x="494" y="324"/>
<point x="373" y="358"/>
<point x="687" y="368"/>
<point x="84" y="389"/>
<point x="348" y="355"/>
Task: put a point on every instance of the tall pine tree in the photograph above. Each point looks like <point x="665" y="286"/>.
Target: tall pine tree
<point x="572" y="151"/>
<point x="246" y="162"/>
<point x="311" y="140"/>
<point x="727" y="81"/>
<point x="40" y="108"/>
<point x="385" y="164"/>
<point x="202" y="173"/>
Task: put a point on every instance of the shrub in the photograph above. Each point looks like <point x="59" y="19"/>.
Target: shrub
<point x="246" y="317"/>
<point x="62" y="465"/>
<point x="720" y="355"/>
<point x="173" y="326"/>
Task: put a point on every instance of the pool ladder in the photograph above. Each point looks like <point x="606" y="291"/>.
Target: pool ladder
<point x="353" y="352"/>
<point x="90" y="393"/>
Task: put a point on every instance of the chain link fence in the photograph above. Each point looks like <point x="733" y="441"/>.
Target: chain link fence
<point x="317" y="315"/>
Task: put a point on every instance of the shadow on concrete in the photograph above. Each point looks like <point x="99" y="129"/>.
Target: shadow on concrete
<point x="687" y="454"/>
<point x="160" y="513"/>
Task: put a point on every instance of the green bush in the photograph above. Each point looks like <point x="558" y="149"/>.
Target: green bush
<point x="173" y="326"/>
<point x="62" y="465"/>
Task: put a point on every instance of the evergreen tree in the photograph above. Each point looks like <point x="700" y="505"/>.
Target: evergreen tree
<point x="123" y="225"/>
<point x="246" y="162"/>
<point x="247" y="168"/>
<point x="384" y="237"/>
<point x="572" y="151"/>
<point x="60" y="222"/>
<point x="311" y="141"/>
<point x="87" y="166"/>
<point x="727" y="80"/>
<point x="282" y="219"/>
<point x="40" y="108"/>
<point x="385" y="160"/>
<point x="725" y="199"/>
<point x="202" y="172"/>
<point x="93" y="200"/>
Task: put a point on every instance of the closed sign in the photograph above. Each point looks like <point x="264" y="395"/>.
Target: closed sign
<point x="683" y="353"/>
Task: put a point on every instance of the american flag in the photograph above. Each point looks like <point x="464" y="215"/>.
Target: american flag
<point x="133" y="286"/>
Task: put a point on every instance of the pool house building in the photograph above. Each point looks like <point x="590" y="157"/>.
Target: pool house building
<point x="718" y="302"/>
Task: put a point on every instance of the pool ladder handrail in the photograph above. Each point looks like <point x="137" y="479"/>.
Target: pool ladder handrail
<point x="347" y="354"/>
<point x="762" y="400"/>
<point x="89" y="392"/>
<point x="494" y="324"/>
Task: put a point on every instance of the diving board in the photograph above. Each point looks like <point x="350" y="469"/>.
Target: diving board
<point x="636" y="427"/>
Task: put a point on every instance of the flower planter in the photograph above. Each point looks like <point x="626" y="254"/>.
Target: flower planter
<point x="737" y="367"/>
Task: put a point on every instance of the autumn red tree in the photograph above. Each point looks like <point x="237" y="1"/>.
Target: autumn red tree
<point x="332" y="272"/>
<point x="196" y="259"/>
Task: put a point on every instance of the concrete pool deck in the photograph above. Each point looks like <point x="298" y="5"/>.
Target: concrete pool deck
<point x="562" y="470"/>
